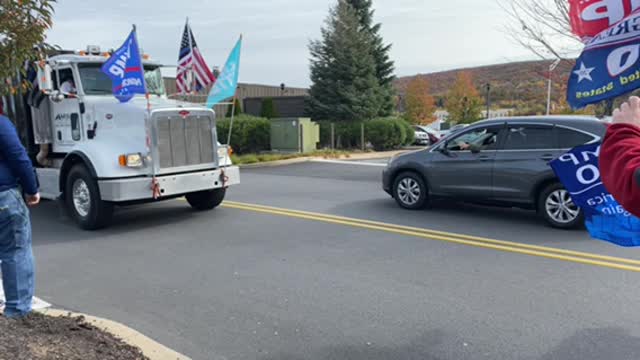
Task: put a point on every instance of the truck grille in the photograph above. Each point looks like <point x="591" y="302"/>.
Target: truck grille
<point x="185" y="141"/>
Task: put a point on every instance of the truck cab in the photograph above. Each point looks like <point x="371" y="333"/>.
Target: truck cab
<point x="96" y="153"/>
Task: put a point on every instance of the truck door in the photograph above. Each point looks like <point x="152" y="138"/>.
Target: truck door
<point x="67" y="127"/>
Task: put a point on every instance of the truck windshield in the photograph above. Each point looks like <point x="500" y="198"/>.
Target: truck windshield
<point x="95" y="82"/>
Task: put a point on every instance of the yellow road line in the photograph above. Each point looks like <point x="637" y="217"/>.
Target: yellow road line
<point x="532" y="250"/>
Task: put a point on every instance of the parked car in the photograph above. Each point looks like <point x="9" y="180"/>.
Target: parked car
<point x="502" y="162"/>
<point x="425" y="136"/>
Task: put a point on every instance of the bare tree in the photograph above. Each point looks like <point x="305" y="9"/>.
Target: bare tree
<point x="542" y="26"/>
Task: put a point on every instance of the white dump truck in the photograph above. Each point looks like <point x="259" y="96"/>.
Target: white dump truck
<point x="95" y="153"/>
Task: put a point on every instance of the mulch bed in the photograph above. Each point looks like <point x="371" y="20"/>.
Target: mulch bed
<point x="40" y="337"/>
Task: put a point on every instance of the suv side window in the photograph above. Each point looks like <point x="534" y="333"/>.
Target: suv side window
<point x="479" y="139"/>
<point x="529" y="137"/>
<point x="568" y="138"/>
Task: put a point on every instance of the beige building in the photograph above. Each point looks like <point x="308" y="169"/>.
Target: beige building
<point x="245" y="91"/>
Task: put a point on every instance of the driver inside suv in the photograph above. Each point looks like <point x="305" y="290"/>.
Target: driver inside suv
<point x="475" y="141"/>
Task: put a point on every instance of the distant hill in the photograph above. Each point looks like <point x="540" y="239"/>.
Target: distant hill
<point x="519" y="85"/>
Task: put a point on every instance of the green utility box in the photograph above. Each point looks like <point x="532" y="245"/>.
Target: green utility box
<point x="294" y="135"/>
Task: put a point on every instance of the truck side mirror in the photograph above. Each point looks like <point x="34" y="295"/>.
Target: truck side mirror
<point x="44" y="79"/>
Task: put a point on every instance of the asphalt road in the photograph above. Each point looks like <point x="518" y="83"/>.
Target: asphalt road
<point x="245" y="282"/>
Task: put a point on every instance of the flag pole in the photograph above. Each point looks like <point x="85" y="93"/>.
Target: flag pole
<point x="233" y="113"/>
<point x="144" y="82"/>
<point x="191" y="87"/>
<point x="233" y="110"/>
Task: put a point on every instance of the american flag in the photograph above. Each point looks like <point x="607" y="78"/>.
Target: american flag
<point x="192" y="69"/>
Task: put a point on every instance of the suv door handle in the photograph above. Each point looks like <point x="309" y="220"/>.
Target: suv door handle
<point x="484" y="158"/>
<point x="547" y="157"/>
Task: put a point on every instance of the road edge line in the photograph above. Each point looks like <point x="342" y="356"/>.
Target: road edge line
<point x="150" y="348"/>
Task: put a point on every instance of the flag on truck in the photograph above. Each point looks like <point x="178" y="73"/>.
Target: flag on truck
<point x="125" y="69"/>
<point x="193" y="73"/>
<point x="225" y="86"/>
<point x="605" y="218"/>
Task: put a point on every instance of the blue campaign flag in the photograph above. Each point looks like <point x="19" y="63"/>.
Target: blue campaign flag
<point x="125" y="69"/>
<point x="605" y="218"/>
<point x="608" y="67"/>
<point x="226" y="84"/>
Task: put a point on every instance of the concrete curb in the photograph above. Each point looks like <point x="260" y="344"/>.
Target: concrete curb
<point x="356" y="156"/>
<point x="152" y="349"/>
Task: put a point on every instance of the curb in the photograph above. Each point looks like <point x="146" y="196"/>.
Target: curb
<point x="152" y="349"/>
<point x="276" y="163"/>
<point x="356" y="156"/>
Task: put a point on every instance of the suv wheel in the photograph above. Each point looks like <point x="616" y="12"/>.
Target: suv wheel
<point x="410" y="191"/>
<point x="557" y="208"/>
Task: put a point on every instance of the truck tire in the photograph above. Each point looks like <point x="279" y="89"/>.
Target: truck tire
<point x="83" y="201"/>
<point x="206" y="200"/>
<point x="557" y="209"/>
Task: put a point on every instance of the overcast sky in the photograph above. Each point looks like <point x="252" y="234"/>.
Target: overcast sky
<point x="427" y="35"/>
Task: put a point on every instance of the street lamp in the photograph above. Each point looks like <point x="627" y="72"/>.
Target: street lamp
<point x="488" y="87"/>
<point x="552" y="67"/>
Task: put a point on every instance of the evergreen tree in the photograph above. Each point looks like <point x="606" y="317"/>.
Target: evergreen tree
<point x="385" y="67"/>
<point x="269" y="110"/>
<point x="237" y="110"/>
<point x="343" y="70"/>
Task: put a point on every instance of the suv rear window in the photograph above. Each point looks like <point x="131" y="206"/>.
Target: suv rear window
<point x="568" y="139"/>
<point x="529" y="138"/>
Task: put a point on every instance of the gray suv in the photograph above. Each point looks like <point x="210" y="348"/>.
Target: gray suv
<point x="503" y="162"/>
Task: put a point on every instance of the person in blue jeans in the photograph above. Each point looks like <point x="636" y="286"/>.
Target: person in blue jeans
<point x="16" y="256"/>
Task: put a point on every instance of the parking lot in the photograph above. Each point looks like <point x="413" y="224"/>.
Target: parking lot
<point x="315" y="261"/>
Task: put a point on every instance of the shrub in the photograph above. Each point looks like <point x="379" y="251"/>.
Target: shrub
<point x="388" y="133"/>
<point x="250" y="134"/>
<point x="269" y="110"/>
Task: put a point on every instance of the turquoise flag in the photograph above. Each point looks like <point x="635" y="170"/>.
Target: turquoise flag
<point x="227" y="82"/>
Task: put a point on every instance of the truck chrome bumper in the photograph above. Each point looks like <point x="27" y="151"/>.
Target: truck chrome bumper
<point x="141" y="188"/>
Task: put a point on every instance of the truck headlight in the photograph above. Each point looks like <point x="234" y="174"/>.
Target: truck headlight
<point x="131" y="160"/>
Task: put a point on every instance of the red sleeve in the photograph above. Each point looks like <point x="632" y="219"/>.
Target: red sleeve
<point x="620" y="165"/>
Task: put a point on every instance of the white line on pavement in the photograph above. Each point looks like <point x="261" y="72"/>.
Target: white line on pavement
<point x="343" y="162"/>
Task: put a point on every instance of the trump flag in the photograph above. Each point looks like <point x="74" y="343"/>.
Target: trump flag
<point x="604" y="217"/>
<point x="590" y="17"/>
<point x="125" y="69"/>
<point x="608" y="66"/>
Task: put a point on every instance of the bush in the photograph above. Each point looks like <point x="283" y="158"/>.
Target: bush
<point x="250" y="134"/>
<point x="388" y="133"/>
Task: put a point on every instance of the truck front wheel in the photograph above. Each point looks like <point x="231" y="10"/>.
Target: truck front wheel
<point x="83" y="202"/>
<point x="206" y="200"/>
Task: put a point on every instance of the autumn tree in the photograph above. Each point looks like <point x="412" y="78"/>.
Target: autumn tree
<point x="22" y="27"/>
<point x="463" y="101"/>
<point x="419" y="104"/>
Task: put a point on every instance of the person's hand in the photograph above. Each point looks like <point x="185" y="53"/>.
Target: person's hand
<point x="464" y="146"/>
<point x="628" y="113"/>
<point x="33" y="200"/>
